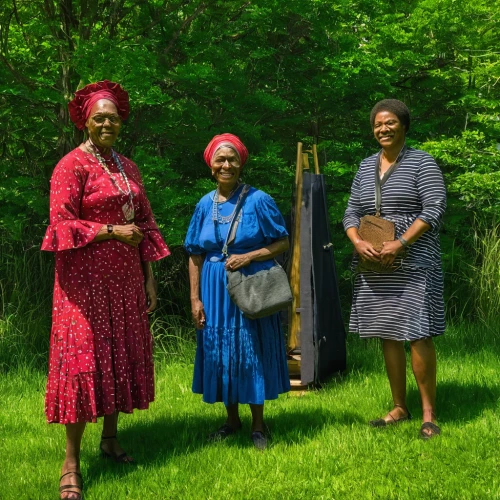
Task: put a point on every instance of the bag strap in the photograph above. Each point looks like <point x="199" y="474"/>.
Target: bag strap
<point x="231" y="233"/>
<point x="379" y="182"/>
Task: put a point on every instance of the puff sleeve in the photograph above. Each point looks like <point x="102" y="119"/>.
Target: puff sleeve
<point x="270" y="220"/>
<point x="192" y="241"/>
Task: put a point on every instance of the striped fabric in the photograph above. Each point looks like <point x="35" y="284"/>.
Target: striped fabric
<point x="408" y="304"/>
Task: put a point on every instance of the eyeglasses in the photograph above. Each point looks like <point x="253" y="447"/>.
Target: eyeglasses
<point x="219" y="162"/>
<point x="101" y="119"/>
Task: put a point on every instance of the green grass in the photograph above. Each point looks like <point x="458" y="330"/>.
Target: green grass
<point x="321" y="446"/>
<point x="26" y="283"/>
<point x="487" y="272"/>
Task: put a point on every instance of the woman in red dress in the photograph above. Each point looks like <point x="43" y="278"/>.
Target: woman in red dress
<point x="104" y="237"/>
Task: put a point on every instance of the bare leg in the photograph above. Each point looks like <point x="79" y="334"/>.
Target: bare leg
<point x="74" y="433"/>
<point x="423" y="361"/>
<point x="233" y="416"/>
<point x="257" y="417"/>
<point x="111" y="446"/>
<point x="395" y="364"/>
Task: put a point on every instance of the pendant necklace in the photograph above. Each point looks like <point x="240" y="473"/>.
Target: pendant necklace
<point x="128" y="208"/>
<point x="216" y="216"/>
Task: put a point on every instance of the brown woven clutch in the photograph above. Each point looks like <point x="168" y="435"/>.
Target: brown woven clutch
<point x="375" y="230"/>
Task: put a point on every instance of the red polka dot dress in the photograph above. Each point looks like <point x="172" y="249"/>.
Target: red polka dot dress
<point x="100" y="346"/>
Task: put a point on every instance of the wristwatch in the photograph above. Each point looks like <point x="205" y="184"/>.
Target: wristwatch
<point x="403" y="242"/>
<point x="110" y="228"/>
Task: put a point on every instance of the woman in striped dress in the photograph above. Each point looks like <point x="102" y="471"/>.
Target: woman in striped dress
<point x="406" y="305"/>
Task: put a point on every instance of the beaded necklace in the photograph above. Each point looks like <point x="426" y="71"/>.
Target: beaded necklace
<point x="216" y="216"/>
<point x="128" y="207"/>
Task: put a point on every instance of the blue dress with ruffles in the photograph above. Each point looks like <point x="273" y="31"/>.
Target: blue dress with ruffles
<point x="238" y="360"/>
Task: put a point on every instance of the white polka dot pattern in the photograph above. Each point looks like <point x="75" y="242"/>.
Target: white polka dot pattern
<point x="101" y="347"/>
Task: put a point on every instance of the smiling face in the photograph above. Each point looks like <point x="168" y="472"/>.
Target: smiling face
<point x="389" y="131"/>
<point x="226" y="167"/>
<point x="103" y="124"/>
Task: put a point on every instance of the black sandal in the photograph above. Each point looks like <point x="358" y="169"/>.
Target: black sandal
<point x="380" y="422"/>
<point x="430" y="426"/>
<point x="71" y="488"/>
<point x="259" y="440"/>
<point x="223" y="432"/>
<point x="122" y="458"/>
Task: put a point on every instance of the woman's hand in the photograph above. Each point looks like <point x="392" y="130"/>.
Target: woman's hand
<point x="366" y="250"/>
<point x="235" y="262"/>
<point x="198" y="313"/>
<point x="390" y="250"/>
<point x="128" y="233"/>
<point x="150" y="287"/>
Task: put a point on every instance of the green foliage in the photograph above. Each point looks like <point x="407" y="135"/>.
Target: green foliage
<point x="486" y="271"/>
<point x="26" y="284"/>
<point x="472" y="167"/>
<point x="271" y="71"/>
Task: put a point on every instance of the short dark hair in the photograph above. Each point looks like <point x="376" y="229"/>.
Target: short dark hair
<point x="395" y="106"/>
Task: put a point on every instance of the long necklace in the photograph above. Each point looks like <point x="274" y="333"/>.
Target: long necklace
<point x="128" y="207"/>
<point x="216" y="216"/>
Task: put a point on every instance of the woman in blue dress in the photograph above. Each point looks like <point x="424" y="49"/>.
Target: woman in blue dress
<point x="238" y="360"/>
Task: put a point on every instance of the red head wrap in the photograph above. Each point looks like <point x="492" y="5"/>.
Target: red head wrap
<point x="225" y="140"/>
<point x="80" y="106"/>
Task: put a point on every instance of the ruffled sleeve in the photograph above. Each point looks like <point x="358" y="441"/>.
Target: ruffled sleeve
<point x="67" y="231"/>
<point x="152" y="247"/>
<point x="192" y="241"/>
<point x="270" y="219"/>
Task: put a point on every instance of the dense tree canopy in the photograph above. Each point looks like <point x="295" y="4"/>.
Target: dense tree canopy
<point x="274" y="72"/>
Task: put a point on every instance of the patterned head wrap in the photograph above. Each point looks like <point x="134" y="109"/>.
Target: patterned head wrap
<point x="394" y="106"/>
<point x="80" y="106"/>
<point x="228" y="141"/>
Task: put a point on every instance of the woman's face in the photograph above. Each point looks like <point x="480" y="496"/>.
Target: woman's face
<point x="103" y="124"/>
<point x="226" y="167"/>
<point x="388" y="130"/>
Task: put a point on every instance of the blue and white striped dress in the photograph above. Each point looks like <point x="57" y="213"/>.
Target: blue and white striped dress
<point x="407" y="304"/>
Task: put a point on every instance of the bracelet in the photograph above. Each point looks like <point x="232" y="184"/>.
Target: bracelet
<point x="110" y="228"/>
<point x="403" y="242"/>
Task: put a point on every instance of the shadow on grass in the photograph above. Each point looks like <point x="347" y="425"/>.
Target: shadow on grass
<point x="153" y="444"/>
<point x="291" y="426"/>
<point x="459" y="402"/>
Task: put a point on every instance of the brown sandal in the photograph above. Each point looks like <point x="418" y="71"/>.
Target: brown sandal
<point x="72" y="488"/>
<point x="429" y="426"/>
<point x="380" y="422"/>
<point x="122" y="458"/>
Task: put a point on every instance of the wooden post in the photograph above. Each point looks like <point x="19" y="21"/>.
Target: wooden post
<point x="305" y="161"/>
<point x="294" y="336"/>
<point x="316" y="162"/>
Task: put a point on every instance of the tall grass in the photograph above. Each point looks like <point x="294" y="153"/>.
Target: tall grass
<point x="486" y="272"/>
<point x="472" y="275"/>
<point x="26" y="282"/>
<point x="472" y="279"/>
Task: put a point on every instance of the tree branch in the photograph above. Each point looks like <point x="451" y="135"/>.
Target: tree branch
<point x="187" y="22"/>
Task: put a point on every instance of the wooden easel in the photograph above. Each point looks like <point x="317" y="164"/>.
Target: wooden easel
<point x="293" y="347"/>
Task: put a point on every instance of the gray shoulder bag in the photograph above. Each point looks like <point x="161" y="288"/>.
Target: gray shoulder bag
<point x="261" y="294"/>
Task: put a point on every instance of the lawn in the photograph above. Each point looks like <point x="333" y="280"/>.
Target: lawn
<point x="321" y="445"/>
